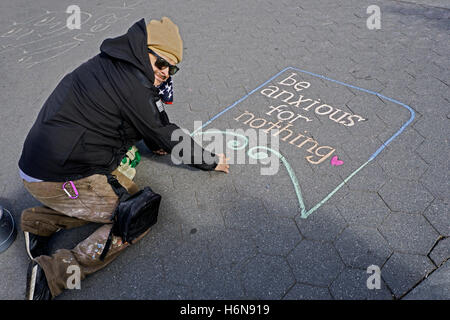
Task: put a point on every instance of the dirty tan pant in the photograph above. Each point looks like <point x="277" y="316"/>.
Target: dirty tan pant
<point x="95" y="203"/>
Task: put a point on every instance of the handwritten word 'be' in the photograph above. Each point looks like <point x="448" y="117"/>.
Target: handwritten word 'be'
<point x="373" y="21"/>
<point x="74" y="20"/>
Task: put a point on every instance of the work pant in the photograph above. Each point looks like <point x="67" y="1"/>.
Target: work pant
<point x="95" y="203"/>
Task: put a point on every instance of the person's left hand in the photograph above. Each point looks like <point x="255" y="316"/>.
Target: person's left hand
<point x="160" y="152"/>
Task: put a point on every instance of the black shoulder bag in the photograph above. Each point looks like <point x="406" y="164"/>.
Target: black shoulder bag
<point x="133" y="215"/>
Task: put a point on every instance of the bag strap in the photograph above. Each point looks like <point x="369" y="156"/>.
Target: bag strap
<point x="107" y="245"/>
<point x="123" y="195"/>
<point x="120" y="191"/>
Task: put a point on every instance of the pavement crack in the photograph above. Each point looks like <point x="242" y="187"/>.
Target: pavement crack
<point x="428" y="273"/>
<point x="439" y="239"/>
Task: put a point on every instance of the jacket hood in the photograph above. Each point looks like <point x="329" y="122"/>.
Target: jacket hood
<point x="131" y="47"/>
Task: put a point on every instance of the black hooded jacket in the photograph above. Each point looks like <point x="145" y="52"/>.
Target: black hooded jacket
<point x="97" y="112"/>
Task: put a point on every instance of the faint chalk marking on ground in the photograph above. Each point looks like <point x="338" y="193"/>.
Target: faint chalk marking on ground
<point x="47" y="36"/>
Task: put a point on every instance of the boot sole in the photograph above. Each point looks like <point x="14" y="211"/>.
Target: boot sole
<point x="31" y="281"/>
<point x="27" y="244"/>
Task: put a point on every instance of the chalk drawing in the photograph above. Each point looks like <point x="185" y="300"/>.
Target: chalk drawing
<point x="304" y="212"/>
<point x="126" y="6"/>
<point x="235" y="145"/>
<point x="45" y="37"/>
<point x="335" y="162"/>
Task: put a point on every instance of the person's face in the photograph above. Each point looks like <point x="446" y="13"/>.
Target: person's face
<point x="161" y="75"/>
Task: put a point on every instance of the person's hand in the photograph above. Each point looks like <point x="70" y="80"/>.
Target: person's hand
<point x="222" y="166"/>
<point x="160" y="152"/>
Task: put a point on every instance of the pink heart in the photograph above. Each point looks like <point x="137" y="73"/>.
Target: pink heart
<point x="336" y="162"/>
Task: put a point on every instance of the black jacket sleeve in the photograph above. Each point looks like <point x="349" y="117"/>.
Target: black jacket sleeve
<point x="142" y="112"/>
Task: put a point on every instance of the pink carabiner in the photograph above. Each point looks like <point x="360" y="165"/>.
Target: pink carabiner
<point x="73" y="188"/>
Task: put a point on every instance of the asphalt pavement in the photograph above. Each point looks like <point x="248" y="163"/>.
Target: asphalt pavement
<point x="357" y="207"/>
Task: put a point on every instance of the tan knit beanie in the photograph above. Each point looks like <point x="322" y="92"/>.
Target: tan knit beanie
<point x="163" y="38"/>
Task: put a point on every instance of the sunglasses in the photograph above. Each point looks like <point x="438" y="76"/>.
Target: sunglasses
<point x="162" y="63"/>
